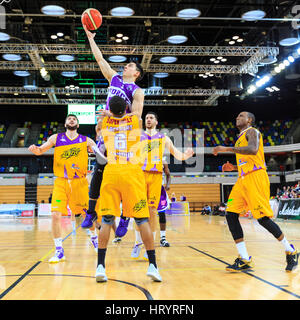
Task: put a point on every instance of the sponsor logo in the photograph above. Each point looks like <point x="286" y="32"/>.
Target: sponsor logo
<point x="73" y="152"/>
<point x="152" y="145"/>
<point x="292" y="211"/>
<point x="139" y="206"/>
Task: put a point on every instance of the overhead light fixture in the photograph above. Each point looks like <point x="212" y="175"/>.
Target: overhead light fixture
<point x="219" y="58"/>
<point x="268" y="60"/>
<point x="21" y="73"/>
<point x="30" y="83"/>
<point x="224" y="60"/>
<point x="288" y="36"/>
<point x="60" y="34"/>
<point x="251" y="89"/>
<point x="269" y="89"/>
<point x="11" y="57"/>
<point x="212" y="59"/>
<point x="291" y="59"/>
<point x="69" y="74"/>
<point x="121" y="12"/>
<point x="286" y="62"/>
<point x="253" y="15"/>
<point x="240" y="40"/>
<point x="168" y="59"/>
<point x="231" y="42"/>
<point x="125" y="38"/>
<point x="65" y="57"/>
<point x="53" y="36"/>
<point x="117" y="58"/>
<point x="119" y="35"/>
<point x="4" y="36"/>
<point x="275" y="88"/>
<point x="188" y="14"/>
<point x="262" y="81"/>
<point x="217" y="61"/>
<point x="119" y="40"/>
<point x="161" y="75"/>
<point x="177" y="39"/>
<point x="235" y="37"/>
<point x="53" y="10"/>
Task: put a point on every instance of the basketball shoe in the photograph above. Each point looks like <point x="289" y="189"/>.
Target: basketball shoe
<point x="117" y="240"/>
<point x="58" y="256"/>
<point x="135" y="253"/>
<point x="153" y="273"/>
<point x="94" y="240"/>
<point x="240" y="265"/>
<point x="164" y="242"/>
<point x="122" y="227"/>
<point x="100" y="274"/>
<point x="291" y="260"/>
<point x="90" y="217"/>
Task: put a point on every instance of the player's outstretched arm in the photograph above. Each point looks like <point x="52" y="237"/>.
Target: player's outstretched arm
<point x="138" y="103"/>
<point x="44" y="147"/>
<point x="176" y="153"/>
<point x="105" y="68"/>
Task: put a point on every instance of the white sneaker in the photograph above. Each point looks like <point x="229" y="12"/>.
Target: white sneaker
<point x="153" y="273"/>
<point x="100" y="274"/>
<point x="58" y="256"/>
<point x="117" y="240"/>
<point x="135" y="253"/>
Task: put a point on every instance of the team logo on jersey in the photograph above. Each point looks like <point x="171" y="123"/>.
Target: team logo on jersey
<point x="151" y="145"/>
<point x="139" y="206"/>
<point x="73" y="152"/>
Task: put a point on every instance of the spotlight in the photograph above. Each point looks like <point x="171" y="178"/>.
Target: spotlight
<point x="291" y="59"/>
<point x="231" y="42"/>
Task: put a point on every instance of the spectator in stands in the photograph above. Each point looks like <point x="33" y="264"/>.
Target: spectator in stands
<point x="50" y="198"/>
<point x="182" y="197"/>
<point x="173" y="197"/>
<point x="206" y="210"/>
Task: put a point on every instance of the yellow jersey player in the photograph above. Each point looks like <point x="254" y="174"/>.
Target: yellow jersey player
<point x="70" y="169"/>
<point x="251" y="192"/>
<point x="153" y="144"/>
<point x="123" y="181"/>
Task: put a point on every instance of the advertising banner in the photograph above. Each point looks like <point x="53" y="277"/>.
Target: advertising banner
<point x="289" y="209"/>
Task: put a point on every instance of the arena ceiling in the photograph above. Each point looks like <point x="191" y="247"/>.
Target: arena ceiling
<point x="38" y="39"/>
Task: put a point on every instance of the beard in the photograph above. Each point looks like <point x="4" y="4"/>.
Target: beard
<point x="72" y="128"/>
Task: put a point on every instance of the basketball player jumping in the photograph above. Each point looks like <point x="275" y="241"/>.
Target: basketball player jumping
<point x="125" y="87"/>
<point x="70" y="168"/>
<point x="251" y="192"/>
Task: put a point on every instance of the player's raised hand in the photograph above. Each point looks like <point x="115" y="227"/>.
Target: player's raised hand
<point x="218" y="149"/>
<point x="89" y="34"/>
<point x="188" y="153"/>
<point x="34" y="149"/>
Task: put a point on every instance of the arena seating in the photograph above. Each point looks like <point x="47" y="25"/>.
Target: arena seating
<point x="225" y="132"/>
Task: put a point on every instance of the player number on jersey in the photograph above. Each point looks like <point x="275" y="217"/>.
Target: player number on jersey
<point x="120" y="141"/>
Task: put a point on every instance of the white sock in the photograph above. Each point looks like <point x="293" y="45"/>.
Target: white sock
<point x="73" y="224"/>
<point x="241" y="247"/>
<point x="138" y="238"/>
<point x="154" y="234"/>
<point x="58" y="242"/>
<point x="287" y="245"/>
<point x="163" y="234"/>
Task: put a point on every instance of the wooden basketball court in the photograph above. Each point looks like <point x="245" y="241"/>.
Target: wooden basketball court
<point x="193" y="268"/>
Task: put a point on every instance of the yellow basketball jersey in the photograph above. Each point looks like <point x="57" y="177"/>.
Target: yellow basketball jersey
<point x="70" y="156"/>
<point x="249" y="163"/>
<point x="121" y="138"/>
<point x="152" y="148"/>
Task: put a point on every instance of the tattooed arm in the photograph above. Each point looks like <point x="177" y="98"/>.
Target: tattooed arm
<point x="252" y="136"/>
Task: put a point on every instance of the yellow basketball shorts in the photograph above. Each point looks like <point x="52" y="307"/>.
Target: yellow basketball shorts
<point x="123" y="183"/>
<point x="251" y="192"/>
<point x="153" y="186"/>
<point x="72" y="192"/>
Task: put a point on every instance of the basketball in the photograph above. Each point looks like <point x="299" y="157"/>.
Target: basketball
<point x="91" y="18"/>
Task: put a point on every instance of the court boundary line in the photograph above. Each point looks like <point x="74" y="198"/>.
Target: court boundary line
<point x="250" y="274"/>
<point x="12" y="286"/>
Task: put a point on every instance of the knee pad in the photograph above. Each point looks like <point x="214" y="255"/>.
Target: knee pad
<point x="108" y="219"/>
<point x="234" y="225"/>
<point x="271" y="226"/>
<point x="162" y="217"/>
<point x="140" y="221"/>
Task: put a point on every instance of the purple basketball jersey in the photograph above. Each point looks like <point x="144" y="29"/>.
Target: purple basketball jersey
<point x="164" y="200"/>
<point x="123" y="90"/>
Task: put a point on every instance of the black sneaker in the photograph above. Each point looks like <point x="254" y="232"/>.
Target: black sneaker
<point x="164" y="242"/>
<point x="291" y="260"/>
<point x="239" y="265"/>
